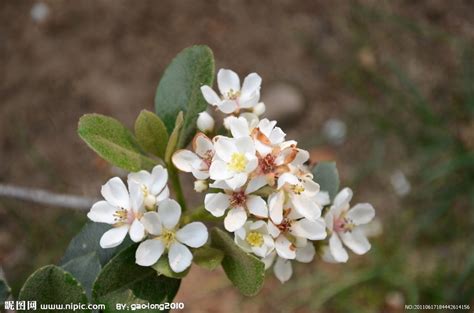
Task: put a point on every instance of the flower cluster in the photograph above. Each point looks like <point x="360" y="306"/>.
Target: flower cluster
<point x="258" y="181"/>
<point x="149" y="216"/>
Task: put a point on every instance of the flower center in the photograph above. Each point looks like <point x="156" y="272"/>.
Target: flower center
<point x="238" y="199"/>
<point x="254" y="239"/>
<point x="267" y="164"/>
<point x="207" y="158"/>
<point x="343" y="225"/>
<point x="232" y="94"/>
<point x="285" y="225"/>
<point x="168" y="237"/>
<point x="297" y="189"/>
<point x="124" y="216"/>
<point x="238" y="162"/>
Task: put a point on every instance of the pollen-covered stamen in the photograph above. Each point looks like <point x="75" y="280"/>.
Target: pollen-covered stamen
<point x="232" y="94"/>
<point x="168" y="237"/>
<point x="297" y="189"/>
<point x="238" y="199"/>
<point x="285" y="225"/>
<point x="238" y="162"/>
<point x="120" y="215"/>
<point x="343" y="225"/>
<point x="254" y="239"/>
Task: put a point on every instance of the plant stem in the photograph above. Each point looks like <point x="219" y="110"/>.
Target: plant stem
<point x="174" y="177"/>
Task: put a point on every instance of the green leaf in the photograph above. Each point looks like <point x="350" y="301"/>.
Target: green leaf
<point x="5" y="289"/>
<point x="151" y="133"/>
<point x="113" y="142"/>
<point x="123" y="281"/>
<point x="179" y="89"/>
<point x="208" y="257"/>
<point x="84" y="257"/>
<point x="53" y="285"/>
<point x="163" y="267"/>
<point x="326" y="175"/>
<point x="173" y="141"/>
<point x="246" y="272"/>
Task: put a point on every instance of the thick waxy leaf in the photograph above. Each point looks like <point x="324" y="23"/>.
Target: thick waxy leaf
<point x="163" y="267"/>
<point x="52" y="285"/>
<point x="208" y="257"/>
<point x="246" y="272"/>
<point x="113" y="142"/>
<point x="327" y="176"/>
<point x="179" y="89"/>
<point x="123" y="281"/>
<point x="84" y="257"/>
<point x="174" y="137"/>
<point x="151" y="133"/>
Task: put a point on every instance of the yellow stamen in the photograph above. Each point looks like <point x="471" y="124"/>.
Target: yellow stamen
<point x="298" y="189"/>
<point x="232" y="95"/>
<point x="254" y="239"/>
<point x="168" y="237"/>
<point x="238" y="162"/>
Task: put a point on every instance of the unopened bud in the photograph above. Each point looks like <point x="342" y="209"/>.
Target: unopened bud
<point x="205" y="122"/>
<point x="259" y="108"/>
<point x="149" y="202"/>
<point x="200" y="185"/>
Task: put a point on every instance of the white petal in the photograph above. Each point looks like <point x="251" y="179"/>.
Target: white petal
<point x="255" y="184"/>
<point x="219" y="171"/>
<point x="245" y="145"/>
<point x="337" y="250"/>
<point x="251" y="84"/>
<point x="237" y="181"/>
<point x="322" y="198"/>
<point x="169" y="212"/>
<point x="216" y="203"/>
<point x="210" y="95"/>
<point x="235" y="219"/>
<point x="151" y="222"/>
<point x="305" y="254"/>
<point x="142" y="177"/>
<point x="356" y="241"/>
<point x="160" y="179"/>
<point x="227" y="106"/>
<point x="102" y="212"/>
<point x="313" y="230"/>
<point x="136" y="195"/>
<point x="311" y="187"/>
<point x="202" y="145"/>
<point x="325" y="254"/>
<point x="283" y="269"/>
<point x="227" y="80"/>
<point x="268" y="260"/>
<point x="275" y="206"/>
<point x="164" y="194"/>
<point x="252" y="162"/>
<point x="137" y="231"/>
<point x="257" y="206"/>
<point x="273" y="230"/>
<point x="113" y="237"/>
<point x="193" y="234"/>
<point x="301" y="157"/>
<point x="238" y="126"/>
<point x="284" y="248"/>
<point x="249" y="101"/>
<point x="115" y="193"/>
<point x="179" y="257"/>
<point x="277" y="136"/>
<point x="183" y="160"/>
<point x="309" y="209"/>
<point x="329" y="219"/>
<point x="225" y="147"/>
<point x="361" y="213"/>
<point x="342" y="200"/>
<point x="287" y="178"/>
<point x="149" y="252"/>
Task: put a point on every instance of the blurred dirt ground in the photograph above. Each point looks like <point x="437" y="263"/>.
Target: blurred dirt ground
<point x="108" y="56"/>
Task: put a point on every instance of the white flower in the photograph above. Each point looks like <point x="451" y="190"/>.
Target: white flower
<point x="205" y="122"/>
<point x="241" y="203"/>
<point x="294" y="231"/>
<point x="235" y="160"/>
<point x="152" y="186"/>
<point x="282" y="267"/>
<point x="233" y="98"/>
<point x="301" y="193"/>
<point x="254" y="238"/>
<point x="343" y="224"/>
<point x="197" y="162"/>
<point x="166" y="236"/>
<point x="259" y="109"/>
<point x="120" y="209"/>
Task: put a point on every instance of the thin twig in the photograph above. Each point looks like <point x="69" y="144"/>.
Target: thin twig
<point x="45" y="197"/>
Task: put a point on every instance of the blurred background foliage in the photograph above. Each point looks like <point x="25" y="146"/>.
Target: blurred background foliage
<point x="384" y="87"/>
